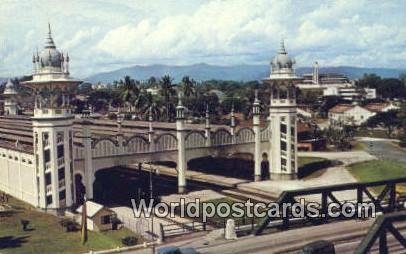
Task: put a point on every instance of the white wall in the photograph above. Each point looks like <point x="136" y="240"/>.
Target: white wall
<point x="17" y="175"/>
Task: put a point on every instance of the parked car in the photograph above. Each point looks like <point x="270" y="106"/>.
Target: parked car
<point x="318" y="247"/>
<point x="176" y="250"/>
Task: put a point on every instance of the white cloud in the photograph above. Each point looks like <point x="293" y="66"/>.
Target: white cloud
<point x="103" y="35"/>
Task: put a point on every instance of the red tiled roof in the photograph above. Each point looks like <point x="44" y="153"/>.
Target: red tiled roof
<point x="376" y="107"/>
<point x="341" y="108"/>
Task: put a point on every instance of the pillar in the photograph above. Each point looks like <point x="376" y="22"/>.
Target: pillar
<point x="180" y="134"/>
<point x="256" y="109"/>
<point x="88" y="164"/>
<point x="207" y="128"/>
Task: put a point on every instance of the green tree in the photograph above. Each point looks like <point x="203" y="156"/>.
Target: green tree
<point x="167" y="91"/>
<point x="129" y="91"/>
<point x="369" y="80"/>
<point x="188" y="86"/>
<point x="388" y="120"/>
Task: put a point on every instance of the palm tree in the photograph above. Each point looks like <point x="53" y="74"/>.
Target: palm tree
<point x="167" y="90"/>
<point x="129" y="91"/>
<point x="188" y="86"/>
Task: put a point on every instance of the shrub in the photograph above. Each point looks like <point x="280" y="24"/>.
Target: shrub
<point x="129" y="240"/>
<point x="69" y="225"/>
<point x="112" y="116"/>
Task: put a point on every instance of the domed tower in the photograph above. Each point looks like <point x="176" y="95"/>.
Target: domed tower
<point x="10" y="99"/>
<point x="52" y="125"/>
<point x="282" y="109"/>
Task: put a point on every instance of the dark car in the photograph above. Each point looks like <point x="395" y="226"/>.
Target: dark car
<point x="318" y="247"/>
<point x="176" y="250"/>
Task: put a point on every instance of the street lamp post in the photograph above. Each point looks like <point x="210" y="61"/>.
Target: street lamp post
<point x="151" y="195"/>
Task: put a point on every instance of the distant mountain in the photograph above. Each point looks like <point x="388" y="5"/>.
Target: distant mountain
<point x="196" y="71"/>
<point x="236" y="72"/>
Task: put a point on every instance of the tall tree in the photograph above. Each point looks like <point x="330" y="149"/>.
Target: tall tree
<point x="129" y="91"/>
<point x="188" y="86"/>
<point x="167" y="91"/>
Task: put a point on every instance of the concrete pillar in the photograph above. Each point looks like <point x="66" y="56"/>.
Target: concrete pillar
<point x="87" y="145"/>
<point x="256" y="111"/>
<point x="207" y="128"/>
<point x="69" y="157"/>
<point x="150" y="130"/>
<point x="180" y="134"/>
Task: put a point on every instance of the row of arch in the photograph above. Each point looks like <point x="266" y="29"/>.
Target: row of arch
<point x="108" y="146"/>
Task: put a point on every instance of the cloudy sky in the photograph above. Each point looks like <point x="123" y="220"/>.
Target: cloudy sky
<point x="103" y="35"/>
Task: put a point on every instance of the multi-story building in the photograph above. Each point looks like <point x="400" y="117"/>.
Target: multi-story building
<point x="351" y="93"/>
<point x="317" y="80"/>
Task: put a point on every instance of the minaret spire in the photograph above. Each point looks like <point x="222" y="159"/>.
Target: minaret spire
<point x="49" y="42"/>
<point x="282" y="49"/>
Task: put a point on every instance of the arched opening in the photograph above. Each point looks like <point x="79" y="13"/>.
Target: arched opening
<point x="80" y="189"/>
<point x="265" y="167"/>
<point x="237" y="165"/>
<point x="118" y="185"/>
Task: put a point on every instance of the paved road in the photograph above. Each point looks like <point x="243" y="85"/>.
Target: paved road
<point x="385" y="150"/>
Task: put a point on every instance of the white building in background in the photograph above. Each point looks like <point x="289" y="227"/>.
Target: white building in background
<point x="283" y="116"/>
<point x="349" y="114"/>
<point x="350" y="93"/>
<point x="355" y="114"/>
<point x="317" y="80"/>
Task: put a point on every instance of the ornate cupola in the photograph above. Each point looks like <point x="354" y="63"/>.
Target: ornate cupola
<point x="180" y="109"/>
<point x="51" y="83"/>
<point x="10" y="99"/>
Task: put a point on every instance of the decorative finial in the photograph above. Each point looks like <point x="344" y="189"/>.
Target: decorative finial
<point x="282" y="47"/>
<point x="49" y="29"/>
<point x="256" y="100"/>
<point x="180" y="99"/>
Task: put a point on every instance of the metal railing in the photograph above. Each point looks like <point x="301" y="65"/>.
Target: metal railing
<point x="182" y="228"/>
<point x="385" y="201"/>
<point x="379" y="230"/>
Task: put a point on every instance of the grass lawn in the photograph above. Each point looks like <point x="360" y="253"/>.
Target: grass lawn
<point x="377" y="170"/>
<point x="47" y="235"/>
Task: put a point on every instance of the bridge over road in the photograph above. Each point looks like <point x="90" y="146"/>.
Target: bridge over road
<point x="92" y="154"/>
